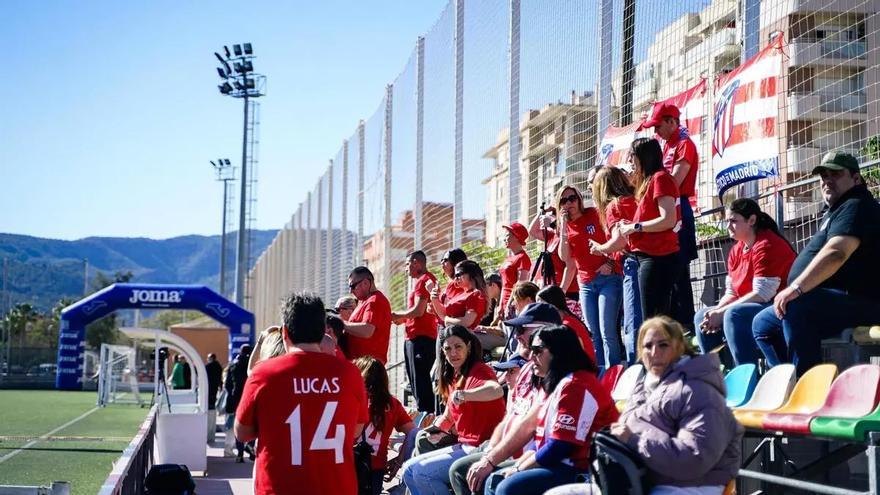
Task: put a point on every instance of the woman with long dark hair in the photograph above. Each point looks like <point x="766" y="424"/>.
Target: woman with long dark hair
<point x="757" y="268"/>
<point x="474" y="405"/>
<point x="448" y="262"/>
<point x="468" y="305"/>
<point x="601" y="282"/>
<point x="554" y="296"/>
<point x="573" y="406"/>
<point x="386" y="414"/>
<point x="651" y="233"/>
<point x="615" y="199"/>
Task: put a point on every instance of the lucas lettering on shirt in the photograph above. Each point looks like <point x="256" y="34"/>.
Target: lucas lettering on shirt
<point x="316" y="385"/>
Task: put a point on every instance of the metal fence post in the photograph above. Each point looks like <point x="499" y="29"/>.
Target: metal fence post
<point x="606" y="32"/>
<point x="386" y="268"/>
<point x="459" y="122"/>
<point x="420" y="139"/>
<point x="359" y="245"/>
<point x="345" y="255"/>
<point x="513" y="141"/>
<point x="329" y="256"/>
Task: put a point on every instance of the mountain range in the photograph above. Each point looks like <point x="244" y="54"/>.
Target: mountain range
<point x="42" y="271"/>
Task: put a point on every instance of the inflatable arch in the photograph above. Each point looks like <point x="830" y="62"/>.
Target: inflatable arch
<point x="74" y="318"/>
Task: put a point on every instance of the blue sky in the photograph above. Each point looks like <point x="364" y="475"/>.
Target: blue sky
<point x="111" y="111"/>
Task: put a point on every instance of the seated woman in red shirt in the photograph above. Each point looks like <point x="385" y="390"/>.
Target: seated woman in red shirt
<point x="652" y="232"/>
<point x="386" y="414"/>
<point x="571" y="406"/>
<point x="757" y="268"/>
<point x="448" y="262"/>
<point x="468" y="304"/>
<point x="474" y="406"/>
<point x="554" y="296"/>
<point x="515" y="267"/>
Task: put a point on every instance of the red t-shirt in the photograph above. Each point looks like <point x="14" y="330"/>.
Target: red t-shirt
<point x="770" y="256"/>
<point x="656" y="243"/>
<point x="558" y="264"/>
<point x="509" y="271"/>
<point x="579" y="329"/>
<point x="305" y="406"/>
<point x="459" y="305"/>
<point x="475" y="421"/>
<point x="678" y="149"/>
<point x="376" y="310"/>
<point x="573" y="412"/>
<point x="452" y="289"/>
<point x="580" y="232"/>
<point x="395" y="418"/>
<point x="425" y="325"/>
<point x="622" y="208"/>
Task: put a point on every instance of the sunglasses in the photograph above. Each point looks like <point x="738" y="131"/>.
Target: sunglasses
<point x="355" y="284"/>
<point x="537" y="349"/>
<point x="444" y="260"/>
<point x="568" y="199"/>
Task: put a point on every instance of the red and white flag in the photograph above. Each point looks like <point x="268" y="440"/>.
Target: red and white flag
<point x="744" y="137"/>
<point x="614" y="148"/>
<point x="691" y="103"/>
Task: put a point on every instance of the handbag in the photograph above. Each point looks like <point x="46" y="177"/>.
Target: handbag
<point x="617" y="468"/>
<point x="169" y="479"/>
<point x="220" y="403"/>
<point x="363" y="466"/>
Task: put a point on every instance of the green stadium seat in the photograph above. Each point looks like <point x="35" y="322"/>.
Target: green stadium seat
<point x="849" y="424"/>
<point x="853" y="394"/>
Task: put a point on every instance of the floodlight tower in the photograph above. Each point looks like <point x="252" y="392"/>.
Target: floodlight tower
<point x="225" y="173"/>
<point x="240" y="81"/>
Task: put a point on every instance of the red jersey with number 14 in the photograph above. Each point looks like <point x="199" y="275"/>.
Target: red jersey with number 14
<point x="577" y="408"/>
<point x="395" y="418"/>
<point x="305" y="406"/>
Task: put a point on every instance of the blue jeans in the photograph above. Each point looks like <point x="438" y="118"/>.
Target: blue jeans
<point x="818" y="314"/>
<point x="531" y="481"/>
<point x="600" y="300"/>
<point x="632" y="307"/>
<point x="429" y="473"/>
<point x="737" y="329"/>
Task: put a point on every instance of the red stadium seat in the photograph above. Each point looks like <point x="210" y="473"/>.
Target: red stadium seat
<point x="611" y="376"/>
<point x="853" y="394"/>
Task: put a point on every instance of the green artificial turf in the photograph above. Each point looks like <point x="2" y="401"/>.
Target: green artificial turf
<point x="85" y="464"/>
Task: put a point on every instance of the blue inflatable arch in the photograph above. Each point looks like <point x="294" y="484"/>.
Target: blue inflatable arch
<point x="74" y="318"/>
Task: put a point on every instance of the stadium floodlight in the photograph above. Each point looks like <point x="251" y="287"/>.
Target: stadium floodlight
<point x="247" y="66"/>
<point x="238" y="86"/>
<point x="227" y="162"/>
<point x="236" y="49"/>
<point x="239" y="68"/>
<point x="213" y="164"/>
<point x="226" y="51"/>
<point x="222" y="61"/>
<point x="225" y="88"/>
<point x="250" y="83"/>
<point x="248" y="49"/>
<point x="221" y="73"/>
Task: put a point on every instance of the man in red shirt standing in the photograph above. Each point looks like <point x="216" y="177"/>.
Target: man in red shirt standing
<point x="369" y="328"/>
<point x="306" y="408"/>
<point x="681" y="160"/>
<point x="421" y="332"/>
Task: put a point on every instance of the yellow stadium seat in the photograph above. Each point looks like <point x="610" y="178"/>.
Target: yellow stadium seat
<point x="808" y="395"/>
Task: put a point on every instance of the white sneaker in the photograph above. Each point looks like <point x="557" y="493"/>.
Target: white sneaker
<point x="228" y="453"/>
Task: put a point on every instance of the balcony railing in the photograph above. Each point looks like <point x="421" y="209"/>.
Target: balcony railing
<point x="807" y="104"/>
<point x="807" y="51"/>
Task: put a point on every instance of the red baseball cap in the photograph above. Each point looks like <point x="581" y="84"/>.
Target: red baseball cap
<point x="660" y="111"/>
<point x="518" y="230"/>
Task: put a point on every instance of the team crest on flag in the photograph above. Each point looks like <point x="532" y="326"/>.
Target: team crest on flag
<point x="745" y="141"/>
<point x="723" y="123"/>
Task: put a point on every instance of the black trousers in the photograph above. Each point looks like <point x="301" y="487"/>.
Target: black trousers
<point x="419" y="354"/>
<point x="682" y="305"/>
<point x="656" y="277"/>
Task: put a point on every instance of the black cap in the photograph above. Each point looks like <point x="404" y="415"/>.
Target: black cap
<point x="537" y="313"/>
<point x="838" y="160"/>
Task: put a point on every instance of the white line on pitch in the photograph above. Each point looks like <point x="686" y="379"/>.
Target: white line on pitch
<point x="47" y="435"/>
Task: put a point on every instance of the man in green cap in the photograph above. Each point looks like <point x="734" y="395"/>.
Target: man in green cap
<point x="834" y="282"/>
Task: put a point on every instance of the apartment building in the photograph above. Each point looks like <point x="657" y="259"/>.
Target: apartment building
<point x="558" y="143"/>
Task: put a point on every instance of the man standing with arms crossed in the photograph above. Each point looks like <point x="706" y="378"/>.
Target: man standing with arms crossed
<point x="306" y="408"/>
<point x="369" y="328"/>
<point x="681" y="160"/>
<point x="421" y="332"/>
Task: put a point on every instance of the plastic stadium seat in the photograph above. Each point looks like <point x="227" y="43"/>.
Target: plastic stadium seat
<point x="808" y="395"/>
<point x="853" y="394"/>
<point x="846" y="423"/>
<point x="610" y="377"/>
<point x="740" y="383"/>
<point x="627" y="382"/>
<point x="772" y="391"/>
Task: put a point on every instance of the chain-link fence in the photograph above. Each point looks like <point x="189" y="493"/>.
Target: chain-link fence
<point x="502" y="103"/>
